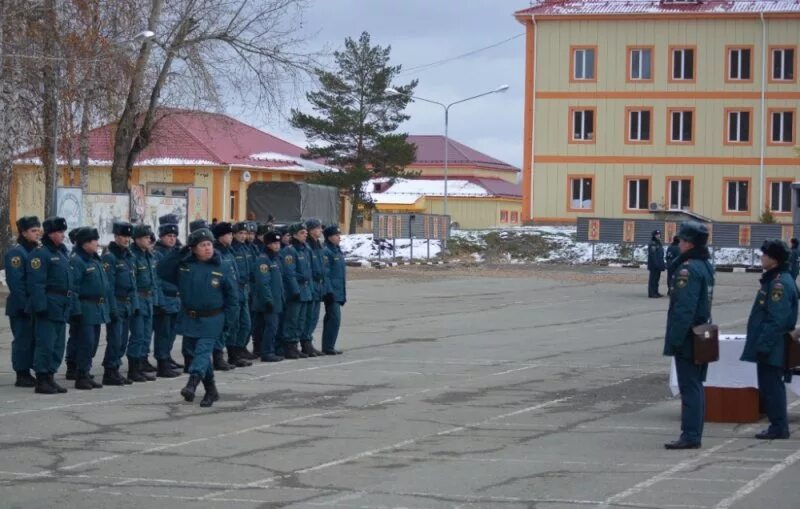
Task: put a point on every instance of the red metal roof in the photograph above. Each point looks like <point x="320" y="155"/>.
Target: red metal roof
<point x="627" y="7"/>
<point x="430" y="150"/>
<point x="494" y="186"/>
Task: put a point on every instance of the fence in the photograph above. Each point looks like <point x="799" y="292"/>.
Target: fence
<point x="391" y="227"/>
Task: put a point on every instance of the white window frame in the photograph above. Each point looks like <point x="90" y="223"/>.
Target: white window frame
<point x="583" y="135"/>
<point x="579" y="59"/>
<point x="639" y="114"/>
<point x="779" y="55"/>
<point x="638" y="187"/>
<point x="681" y="205"/>
<point x="641" y="67"/>
<point x="682" y="120"/>
<point x="739" y="53"/>
<point x="780" y="132"/>
<point x="737" y="115"/>
<point x="682" y="67"/>
<point x="781" y="185"/>
<point x="583" y="204"/>
<point x="741" y="190"/>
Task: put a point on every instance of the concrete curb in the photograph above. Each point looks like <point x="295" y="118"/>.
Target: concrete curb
<point x="381" y="265"/>
<point x="718" y="268"/>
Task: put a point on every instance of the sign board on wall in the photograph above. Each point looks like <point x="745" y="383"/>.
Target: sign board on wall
<point x="198" y="203"/>
<point x="68" y="206"/>
<point x="157" y="206"/>
<point x="101" y="210"/>
<point x="137" y="203"/>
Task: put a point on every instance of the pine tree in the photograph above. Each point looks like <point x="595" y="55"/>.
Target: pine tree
<point x="354" y="121"/>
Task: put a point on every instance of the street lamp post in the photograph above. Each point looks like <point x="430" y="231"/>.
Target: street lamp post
<point x="446" y="108"/>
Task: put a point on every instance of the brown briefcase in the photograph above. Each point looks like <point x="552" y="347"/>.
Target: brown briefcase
<point x="705" y="339"/>
<point x="792" y="356"/>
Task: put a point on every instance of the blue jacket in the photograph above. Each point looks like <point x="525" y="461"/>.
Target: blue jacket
<point x="297" y="276"/>
<point x="92" y="286"/>
<point x="337" y="272"/>
<point x="121" y="270"/>
<point x="319" y="271"/>
<point x="690" y="301"/>
<point x="169" y="295"/>
<point x="49" y="282"/>
<point x="243" y="256"/>
<point x="205" y="287"/>
<point x="774" y="314"/>
<point x="794" y="262"/>
<point x="16" y="265"/>
<point x="655" y="256"/>
<point x="269" y="283"/>
<point x="146" y="280"/>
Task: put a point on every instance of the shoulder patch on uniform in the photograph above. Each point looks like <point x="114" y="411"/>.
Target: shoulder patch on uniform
<point x="36" y="263"/>
<point x="214" y="282"/>
<point x="777" y="293"/>
<point x="264" y="268"/>
<point x="682" y="278"/>
<point x="289" y="259"/>
<point x="16" y="262"/>
<point x="106" y="266"/>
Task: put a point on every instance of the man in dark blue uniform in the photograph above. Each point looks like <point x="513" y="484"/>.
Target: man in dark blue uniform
<point x="120" y="267"/>
<point x="269" y="299"/>
<point x="244" y="259"/>
<point x="319" y="286"/>
<point x="655" y="264"/>
<point x="94" y="296"/>
<point x="223" y="233"/>
<point x="673" y="252"/>
<point x="50" y="300"/>
<point x="794" y="259"/>
<point x="774" y="314"/>
<point x="147" y="289"/>
<point x="689" y="306"/>
<point x="72" y="329"/>
<point x="209" y="299"/>
<point x="166" y="314"/>
<point x="336" y="297"/>
<point x="258" y="318"/>
<point x="297" y="280"/>
<point x="16" y="265"/>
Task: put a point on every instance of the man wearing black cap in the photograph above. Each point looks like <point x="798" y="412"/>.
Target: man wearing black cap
<point x="50" y="287"/>
<point x="243" y="257"/>
<point x="336" y="296"/>
<point x="120" y="267"/>
<point x="197" y="224"/>
<point x="268" y="297"/>
<point x="223" y="233"/>
<point x="148" y="293"/>
<point x="210" y="306"/>
<point x="297" y="280"/>
<point x="94" y="296"/>
<point x="319" y="286"/>
<point x="655" y="264"/>
<point x="794" y="259"/>
<point x="166" y="314"/>
<point x="689" y="306"/>
<point x="16" y="264"/>
<point x="774" y="314"/>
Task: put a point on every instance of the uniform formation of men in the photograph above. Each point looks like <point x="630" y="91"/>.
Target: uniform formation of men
<point x="231" y="283"/>
<point x="772" y="317"/>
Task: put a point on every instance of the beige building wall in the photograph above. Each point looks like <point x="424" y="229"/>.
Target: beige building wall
<point x="476" y="213"/>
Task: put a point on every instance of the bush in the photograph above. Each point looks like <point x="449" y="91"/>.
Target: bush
<point x="767" y="217"/>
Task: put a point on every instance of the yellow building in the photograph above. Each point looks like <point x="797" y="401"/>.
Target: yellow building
<point x="643" y="106"/>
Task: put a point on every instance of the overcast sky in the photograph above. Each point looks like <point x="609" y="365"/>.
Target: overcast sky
<point x="425" y="31"/>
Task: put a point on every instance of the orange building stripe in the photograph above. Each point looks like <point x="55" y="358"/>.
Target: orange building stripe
<point x="734" y="161"/>
<point x="527" y="137"/>
<point x="665" y="94"/>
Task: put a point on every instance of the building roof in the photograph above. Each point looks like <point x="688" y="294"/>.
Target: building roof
<point x="199" y="138"/>
<point x="408" y="191"/>
<point x="430" y="151"/>
<point x="640" y="7"/>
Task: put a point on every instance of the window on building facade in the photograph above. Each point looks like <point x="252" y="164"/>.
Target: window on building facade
<point x="638" y="194"/>
<point x="583" y="61"/>
<point x="159" y="189"/>
<point x="234" y="205"/>
<point x="639" y="125"/>
<point x="738" y="126"/>
<point x="503" y="216"/>
<point x="514" y="217"/>
<point x="681" y="126"/>
<point x="680" y="194"/>
<point x="783" y="64"/>
<point x="739" y="64"/>
<point x="641" y="64"/>
<point x="581" y="192"/>
<point x="782" y="127"/>
<point x="683" y="64"/>
<point x="583" y="125"/>
<point x="738" y="194"/>
<point x="780" y="196"/>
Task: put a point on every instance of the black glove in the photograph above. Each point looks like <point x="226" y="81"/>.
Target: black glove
<point x="328" y="298"/>
<point x="269" y="308"/>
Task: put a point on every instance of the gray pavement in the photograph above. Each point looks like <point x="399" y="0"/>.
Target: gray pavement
<point x="456" y="390"/>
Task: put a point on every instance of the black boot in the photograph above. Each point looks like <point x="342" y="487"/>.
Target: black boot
<point x="187" y="361"/>
<point x="191" y="386"/>
<point x="112" y="377"/>
<point x="174" y="364"/>
<point x="236" y="358"/>
<point x="59" y="388"/>
<point x="271" y="357"/>
<point x="256" y="349"/>
<point x="83" y="382"/>
<point x="211" y="394"/>
<point x="43" y="385"/>
<point x="219" y="362"/>
<point x="95" y="384"/>
<point x="24" y="379"/>
<point x="290" y="351"/>
<point x="72" y="371"/>
<point x="165" y="369"/>
<point x="309" y="349"/>
<point x="133" y="371"/>
<point x="146" y="367"/>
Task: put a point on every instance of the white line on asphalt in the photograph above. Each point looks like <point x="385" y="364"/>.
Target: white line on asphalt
<point x="759" y="481"/>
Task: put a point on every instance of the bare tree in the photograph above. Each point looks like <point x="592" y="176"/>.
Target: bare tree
<point x="201" y="47"/>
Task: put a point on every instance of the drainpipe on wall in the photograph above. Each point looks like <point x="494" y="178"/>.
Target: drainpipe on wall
<point x="226" y="196"/>
<point x="763" y="136"/>
<point x="533" y="104"/>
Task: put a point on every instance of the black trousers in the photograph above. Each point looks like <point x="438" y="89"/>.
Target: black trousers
<point x="652" y="285"/>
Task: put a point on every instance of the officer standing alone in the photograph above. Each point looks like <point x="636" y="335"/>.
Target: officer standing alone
<point x="774" y="314"/>
<point x="689" y="306"/>
<point x="655" y="264"/>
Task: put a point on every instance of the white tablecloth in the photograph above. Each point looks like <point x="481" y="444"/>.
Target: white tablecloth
<point x="729" y="371"/>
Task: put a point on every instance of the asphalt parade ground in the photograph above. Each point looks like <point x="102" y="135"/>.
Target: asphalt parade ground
<point x="512" y="388"/>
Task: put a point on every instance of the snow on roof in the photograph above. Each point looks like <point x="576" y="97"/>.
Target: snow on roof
<point x="408" y="191"/>
<point x="306" y="164"/>
<point x="621" y="7"/>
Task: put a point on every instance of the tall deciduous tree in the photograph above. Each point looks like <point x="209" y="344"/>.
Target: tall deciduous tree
<point x="354" y="121"/>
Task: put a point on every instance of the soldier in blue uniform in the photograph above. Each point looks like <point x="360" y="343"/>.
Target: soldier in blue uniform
<point x="243" y="256"/>
<point x="794" y="259"/>
<point x="120" y="267"/>
<point x="209" y="299"/>
<point x="256" y="249"/>
<point x="336" y="297"/>
<point x="319" y="286"/>
<point x="297" y="281"/>
<point x="774" y="314"/>
<point x="16" y="265"/>
<point x="73" y="326"/>
<point x="148" y="293"/>
<point x="50" y="301"/>
<point x="655" y="264"/>
<point x="689" y="306"/>
<point x="258" y="318"/>
<point x="286" y="239"/>
<point x="673" y="251"/>
<point x="223" y="232"/>
<point x="166" y="314"/>
<point x="94" y="296"/>
<point x="269" y="299"/>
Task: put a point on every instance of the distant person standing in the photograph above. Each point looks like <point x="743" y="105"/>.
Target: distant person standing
<point x="673" y="251"/>
<point x="794" y="259"/>
<point x="655" y="264"/>
<point x="774" y="314"/>
<point x="336" y="296"/>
